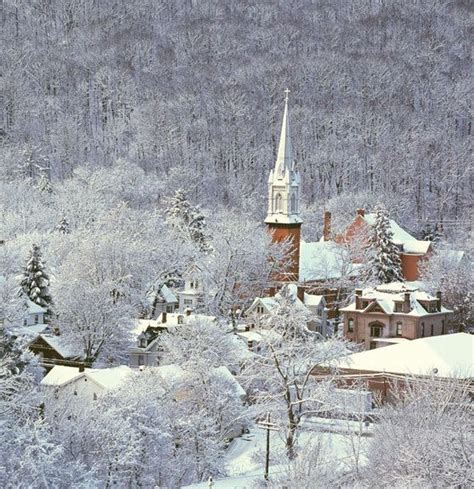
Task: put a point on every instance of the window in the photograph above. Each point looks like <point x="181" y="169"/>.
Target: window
<point x="293" y="203"/>
<point x="94" y="396"/>
<point x="141" y="360"/>
<point x="169" y="308"/>
<point x="398" y="306"/>
<point x="278" y="203"/>
<point x="365" y="304"/>
<point x="260" y="310"/>
<point x="36" y="319"/>
<point x="376" y="331"/>
<point x="188" y="302"/>
<point x="432" y="330"/>
<point x="180" y="319"/>
<point x="399" y="329"/>
<point x="350" y="325"/>
<point x="422" y="330"/>
<point x="25" y="322"/>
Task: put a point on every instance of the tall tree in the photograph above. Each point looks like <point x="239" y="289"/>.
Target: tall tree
<point x="187" y="219"/>
<point x="384" y="263"/>
<point x="35" y="281"/>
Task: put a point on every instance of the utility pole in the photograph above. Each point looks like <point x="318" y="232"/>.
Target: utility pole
<point x="266" y="425"/>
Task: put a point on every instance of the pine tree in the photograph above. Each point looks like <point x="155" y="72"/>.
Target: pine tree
<point x="63" y="226"/>
<point x="384" y="263"/>
<point x="35" y="282"/>
<point x="188" y="219"/>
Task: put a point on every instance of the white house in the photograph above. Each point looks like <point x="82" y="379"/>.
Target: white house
<point x="145" y="353"/>
<point x="192" y="295"/>
<point x="162" y="299"/>
<point x="314" y="306"/>
<point x="81" y="387"/>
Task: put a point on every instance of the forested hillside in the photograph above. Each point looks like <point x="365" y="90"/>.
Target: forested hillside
<point x="192" y="92"/>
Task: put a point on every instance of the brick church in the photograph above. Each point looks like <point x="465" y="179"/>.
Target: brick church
<point x="324" y="261"/>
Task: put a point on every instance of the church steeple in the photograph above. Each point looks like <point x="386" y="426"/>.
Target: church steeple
<point x="285" y="155"/>
<point x="283" y="217"/>
<point x="284" y="179"/>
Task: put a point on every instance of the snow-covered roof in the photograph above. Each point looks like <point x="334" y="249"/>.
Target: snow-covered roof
<point x="167" y="294"/>
<point x="34" y="308"/>
<point x="324" y="260"/>
<point x="402" y="237"/>
<point x="387" y="295"/>
<point x="451" y="355"/>
<point x="107" y="378"/>
<point x="60" y="346"/>
<point x="313" y="300"/>
<point x="174" y="375"/>
<point x="60" y="375"/>
<point x="225" y="374"/>
<point x="172" y="320"/>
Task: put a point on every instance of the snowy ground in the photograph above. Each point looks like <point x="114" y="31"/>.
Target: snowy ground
<point x="246" y="455"/>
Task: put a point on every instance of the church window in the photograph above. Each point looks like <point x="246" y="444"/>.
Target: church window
<point x="293" y="203"/>
<point x="278" y="203"/>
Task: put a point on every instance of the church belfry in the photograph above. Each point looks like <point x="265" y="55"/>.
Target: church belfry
<point x="283" y="218"/>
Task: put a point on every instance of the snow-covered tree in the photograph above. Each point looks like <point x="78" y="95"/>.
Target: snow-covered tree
<point x="35" y="281"/>
<point x="63" y="226"/>
<point x="451" y="272"/>
<point x="424" y="438"/>
<point x="384" y="264"/>
<point x="187" y="219"/>
<point x="279" y="376"/>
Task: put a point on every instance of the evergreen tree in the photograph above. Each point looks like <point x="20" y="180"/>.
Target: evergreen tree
<point x="35" y="282"/>
<point x="63" y="226"/>
<point x="188" y="220"/>
<point x="384" y="263"/>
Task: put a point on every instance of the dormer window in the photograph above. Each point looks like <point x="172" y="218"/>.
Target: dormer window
<point x="398" y="306"/>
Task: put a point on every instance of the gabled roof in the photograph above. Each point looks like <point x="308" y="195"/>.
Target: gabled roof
<point x="314" y="300"/>
<point x="34" y="308"/>
<point x="386" y="295"/>
<point x="107" y="378"/>
<point x="402" y="237"/>
<point x="325" y="260"/>
<point x="167" y="294"/>
<point x="58" y="345"/>
<point x="451" y="355"/>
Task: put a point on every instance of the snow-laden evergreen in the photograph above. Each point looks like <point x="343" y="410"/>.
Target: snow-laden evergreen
<point x="384" y="261"/>
<point x="35" y="281"/>
<point x="187" y="219"/>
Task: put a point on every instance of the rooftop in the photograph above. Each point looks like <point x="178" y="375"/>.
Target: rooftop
<point x="451" y="356"/>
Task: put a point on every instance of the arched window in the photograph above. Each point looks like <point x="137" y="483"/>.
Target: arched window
<point x="293" y="204"/>
<point x="278" y="203"/>
<point x="376" y="329"/>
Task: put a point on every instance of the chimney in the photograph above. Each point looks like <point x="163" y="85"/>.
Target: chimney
<point x="81" y="367"/>
<point x="406" y="302"/>
<point x="358" y="298"/>
<point x="56" y="331"/>
<point x="438" y="300"/>
<point x="300" y="293"/>
<point x="164" y="317"/>
<point x="360" y="212"/>
<point x="327" y="226"/>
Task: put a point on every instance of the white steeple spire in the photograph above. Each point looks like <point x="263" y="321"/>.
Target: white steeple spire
<point x="285" y="155"/>
<point x="284" y="180"/>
